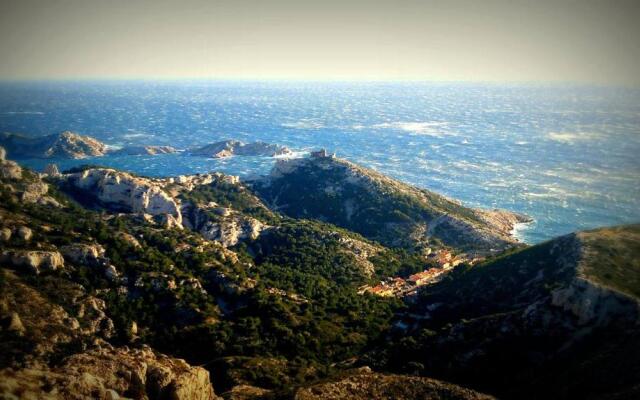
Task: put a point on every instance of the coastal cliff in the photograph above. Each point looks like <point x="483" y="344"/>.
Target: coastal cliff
<point x="383" y="209"/>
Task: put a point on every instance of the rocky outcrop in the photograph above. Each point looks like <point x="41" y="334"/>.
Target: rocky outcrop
<point x="144" y="150"/>
<point x="362" y="384"/>
<point x="125" y="192"/>
<point x="24" y="233"/>
<point x="229" y="148"/>
<point x="3" y="153"/>
<point x="361" y="251"/>
<point x="52" y="170"/>
<point x="64" y="145"/>
<point x="5" y="234"/>
<point x="10" y="170"/>
<point x="33" y="192"/>
<point x="221" y="224"/>
<point x="87" y="254"/>
<point x="73" y="145"/>
<point x="111" y="373"/>
<point x="593" y="304"/>
<point x="34" y="261"/>
<point x="91" y="255"/>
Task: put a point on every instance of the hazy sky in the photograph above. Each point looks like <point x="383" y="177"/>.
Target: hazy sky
<point x="577" y="41"/>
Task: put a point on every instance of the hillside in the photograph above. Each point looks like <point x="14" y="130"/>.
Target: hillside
<point x="362" y="384"/>
<point x="119" y="284"/>
<point x="548" y="319"/>
<point x="103" y="271"/>
<point x="381" y="208"/>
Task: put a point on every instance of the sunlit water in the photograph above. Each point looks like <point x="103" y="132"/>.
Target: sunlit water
<point x="567" y="156"/>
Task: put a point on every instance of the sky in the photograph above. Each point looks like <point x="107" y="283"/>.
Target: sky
<point x="587" y="41"/>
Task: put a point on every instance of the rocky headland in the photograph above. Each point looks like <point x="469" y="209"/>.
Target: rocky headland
<point x="73" y="145"/>
<point x="230" y="148"/>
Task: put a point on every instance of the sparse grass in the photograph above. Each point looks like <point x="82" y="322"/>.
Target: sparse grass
<point x="612" y="257"/>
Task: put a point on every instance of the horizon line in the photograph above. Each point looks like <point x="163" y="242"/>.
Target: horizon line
<point x="316" y="80"/>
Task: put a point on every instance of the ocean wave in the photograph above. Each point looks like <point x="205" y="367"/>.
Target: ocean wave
<point x="429" y="128"/>
<point x="23" y="113"/>
<point x="136" y="135"/>
<point x="293" y="154"/>
<point x="303" y="124"/>
<point x="572" y="137"/>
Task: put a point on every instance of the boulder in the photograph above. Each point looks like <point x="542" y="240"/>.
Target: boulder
<point x="10" y="170"/>
<point x="5" y="234"/>
<point x="84" y="254"/>
<point x="33" y="261"/>
<point x="24" y="233"/>
<point x="34" y="192"/>
<point x="15" y="324"/>
<point x="3" y="154"/>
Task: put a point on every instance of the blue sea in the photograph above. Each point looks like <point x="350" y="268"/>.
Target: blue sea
<point x="568" y="156"/>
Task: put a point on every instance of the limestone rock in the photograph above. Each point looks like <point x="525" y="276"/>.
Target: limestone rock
<point x="33" y="261"/>
<point x="15" y="324"/>
<point x="24" y="233"/>
<point x="229" y="148"/>
<point x="126" y="192"/>
<point x="34" y="192"/>
<point x="112" y="373"/>
<point x="5" y="234"/>
<point x="52" y="170"/>
<point x="85" y="254"/>
<point x="72" y="145"/>
<point x="129" y="239"/>
<point x="3" y="154"/>
<point x="10" y="170"/>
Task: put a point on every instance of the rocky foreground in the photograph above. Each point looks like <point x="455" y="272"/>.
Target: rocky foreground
<point x="192" y="287"/>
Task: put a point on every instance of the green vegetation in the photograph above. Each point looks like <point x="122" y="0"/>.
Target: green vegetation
<point x="288" y="307"/>
<point x="611" y="256"/>
<point x="233" y="196"/>
<point x="370" y="204"/>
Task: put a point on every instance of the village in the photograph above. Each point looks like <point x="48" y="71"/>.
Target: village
<point x="404" y="287"/>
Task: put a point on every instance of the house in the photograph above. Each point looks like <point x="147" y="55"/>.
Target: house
<point x="322" y="153"/>
<point x="382" y="290"/>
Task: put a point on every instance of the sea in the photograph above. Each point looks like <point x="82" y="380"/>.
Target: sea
<point x="566" y="155"/>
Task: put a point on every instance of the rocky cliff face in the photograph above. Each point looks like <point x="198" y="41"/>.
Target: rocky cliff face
<point x="124" y="191"/>
<point x="221" y="224"/>
<point x="230" y="148"/>
<point x="159" y="197"/>
<point x="381" y="208"/>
